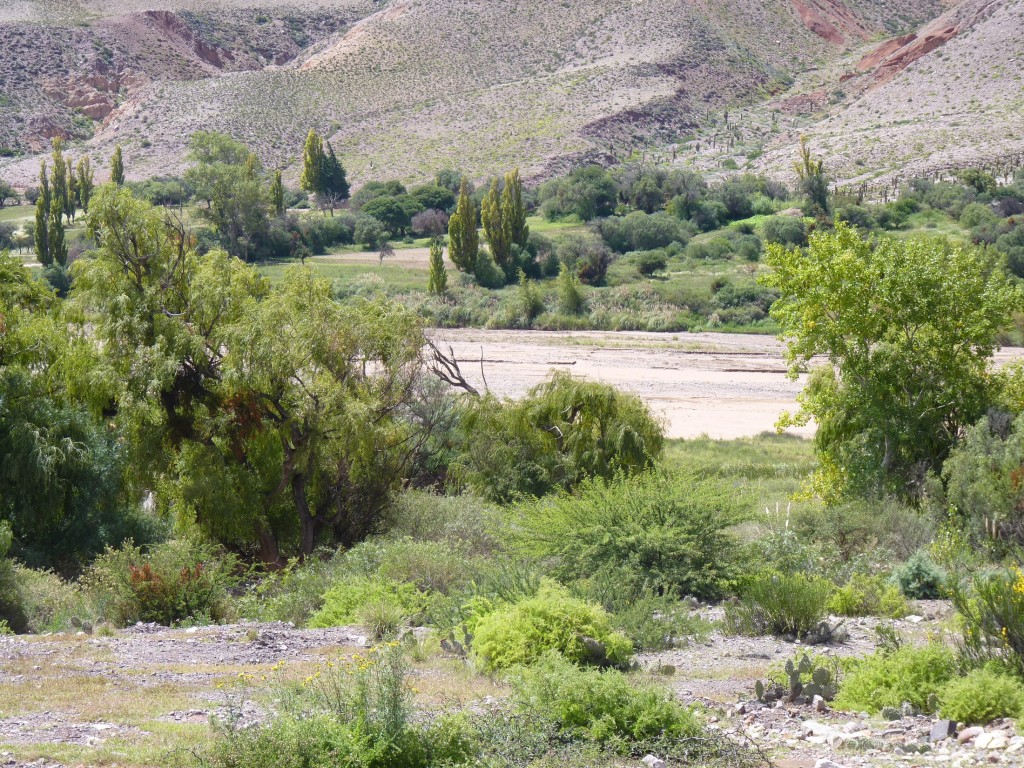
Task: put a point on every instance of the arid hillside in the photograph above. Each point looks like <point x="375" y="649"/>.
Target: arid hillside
<point x="407" y="86"/>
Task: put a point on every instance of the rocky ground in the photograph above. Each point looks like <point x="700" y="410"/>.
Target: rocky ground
<point x="87" y="699"/>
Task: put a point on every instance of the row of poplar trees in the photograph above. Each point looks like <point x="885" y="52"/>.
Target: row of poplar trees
<point x="503" y="216"/>
<point x="62" y="191"/>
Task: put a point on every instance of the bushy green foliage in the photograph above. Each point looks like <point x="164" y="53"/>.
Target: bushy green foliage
<point x="991" y="606"/>
<point x="910" y="674"/>
<point x="601" y="706"/>
<point x="865" y="595"/>
<point x="919" y="578"/>
<point x="786" y="604"/>
<point x="345" y="602"/>
<point x="982" y="481"/>
<point x="553" y="620"/>
<point x="657" y="530"/>
<point x="181" y="580"/>
<point x="909" y="328"/>
<point x="294" y="593"/>
<point x="643" y="232"/>
<point x="981" y="696"/>
<point x="564" y="431"/>
<point x="879" y="529"/>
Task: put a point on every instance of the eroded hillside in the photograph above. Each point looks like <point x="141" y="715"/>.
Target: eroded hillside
<point x="407" y="86"/>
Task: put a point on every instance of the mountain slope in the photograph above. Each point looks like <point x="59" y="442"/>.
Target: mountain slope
<point x="408" y="86"/>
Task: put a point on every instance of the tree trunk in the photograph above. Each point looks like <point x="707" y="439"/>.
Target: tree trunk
<point x="309" y="523"/>
<point x="270" y="552"/>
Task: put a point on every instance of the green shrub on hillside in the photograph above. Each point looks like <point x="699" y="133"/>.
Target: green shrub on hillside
<point x="909" y="674"/>
<point x="773" y="603"/>
<point x="553" y="620"/>
<point x="564" y="431"/>
<point x="181" y="580"/>
<point x="601" y="705"/>
<point x="981" y="696"/>
<point x="345" y="602"/>
<point x="658" y="530"/>
<point x="865" y="595"/>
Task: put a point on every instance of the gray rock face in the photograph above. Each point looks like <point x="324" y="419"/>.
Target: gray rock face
<point x="943" y="729"/>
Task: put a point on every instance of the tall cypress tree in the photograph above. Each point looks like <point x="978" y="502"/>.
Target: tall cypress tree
<point x="513" y="212"/>
<point x="71" y="203"/>
<point x="277" y="194"/>
<point x="437" y="278"/>
<point x="312" y="163"/>
<point x="42" y="230"/>
<point x="117" y="167"/>
<point x="463" y="239"/>
<point x="332" y="175"/>
<point x="491" y="214"/>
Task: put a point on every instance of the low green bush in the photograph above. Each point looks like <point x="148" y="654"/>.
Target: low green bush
<point x="180" y="580"/>
<point x="601" y="705"/>
<point x="981" y="696"/>
<point x="773" y="603"/>
<point x="919" y="578"/>
<point x="664" y="531"/>
<point x="553" y="620"/>
<point x="909" y="674"/>
<point x="865" y="595"/>
<point x="346" y="600"/>
<point x="653" y="620"/>
<point x="294" y="593"/>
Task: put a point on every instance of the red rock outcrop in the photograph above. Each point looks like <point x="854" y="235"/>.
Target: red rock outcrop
<point x="831" y="20"/>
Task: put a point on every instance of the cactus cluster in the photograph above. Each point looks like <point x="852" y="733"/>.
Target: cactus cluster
<point x="803" y="681"/>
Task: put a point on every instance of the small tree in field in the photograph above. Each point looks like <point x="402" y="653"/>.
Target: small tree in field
<point x="437" y="280"/>
<point x="908" y="329"/>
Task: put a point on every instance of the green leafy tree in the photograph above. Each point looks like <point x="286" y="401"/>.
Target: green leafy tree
<point x="495" y="231"/>
<point x="55" y="237"/>
<point x="908" y="329"/>
<point x="42" y="220"/>
<point x="268" y="416"/>
<point x="463" y="238"/>
<point x="227" y="176"/>
<point x="277" y="194"/>
<point x="59" y="189"/>
<point x="390" y="212"/>
<point x="86" y="182"/>
<point x="513" y="212"/>
<point x="312" y="163"/>
<point x="333" y="181"/>
<point x="570" y="296"/>
<point x="437" y="278"/>
<point x="117" y="167"/>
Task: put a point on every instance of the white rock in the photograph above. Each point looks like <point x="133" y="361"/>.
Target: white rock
<point x="826" y="763"/>
<point x="814" y="728"/>
<point x="191" y="630"/>
<point x="991" y="740"/>
<point x="819" y="704"/>
<point x="654" y="762"/>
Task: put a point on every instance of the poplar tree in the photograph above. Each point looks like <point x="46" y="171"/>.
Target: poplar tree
<point x="59" y="181"/>
<point x="71" y="202"/>
<point x="117" y="167"/>
<point x="42" y="228"/>
<point x="491" y="215"/>
<point x="277" y="194"/>
<point x="86" y="182"/>
<point x="437" y="279"/>
<point x="312" y="163"/>
<point x="463" y="239"/>
<point x="58" y="246"/>
<point x="513" y="212"/>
